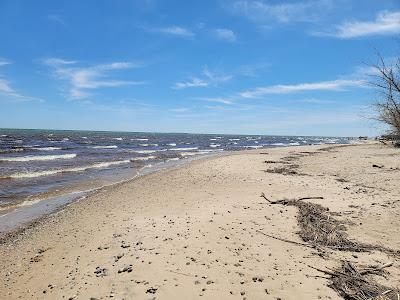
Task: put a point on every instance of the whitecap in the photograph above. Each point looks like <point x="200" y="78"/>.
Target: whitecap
<point x="58" y="171"/>
<point x="214" y="145"/>
<point x="105" y="147"/>
<point x="144" y="151"/>
<point x="38" y="158"/>
<point x="184" y="149"/>
<point x="143" y="158"/>
<point x="173" y="159"/>
<point x="172" y="144"/>
<point x="46" y="148"/>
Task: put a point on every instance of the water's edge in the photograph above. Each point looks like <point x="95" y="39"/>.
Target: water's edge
<point x="18" y="220"/>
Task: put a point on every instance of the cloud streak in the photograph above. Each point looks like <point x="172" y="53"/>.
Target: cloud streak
<point x="82" y="80"/>
<point x="263" y="12"/>
<point x="8" y="93"/>
<point x="173" y="30"/>
<point x="334" y="85"/>
<point x="217" y="100"/>
<point x="209" y="79"/>
<point x="385" y="23"/>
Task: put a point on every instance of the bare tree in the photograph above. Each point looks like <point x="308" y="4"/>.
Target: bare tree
<point x="387" y="81"/>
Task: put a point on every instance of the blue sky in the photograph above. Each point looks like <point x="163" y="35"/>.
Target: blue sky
<point x="229" y="66"/>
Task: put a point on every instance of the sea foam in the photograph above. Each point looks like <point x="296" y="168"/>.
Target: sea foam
<point x="38" y="158"/>
<point x="69" y="170"/>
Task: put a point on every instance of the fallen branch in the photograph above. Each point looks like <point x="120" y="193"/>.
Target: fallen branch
<point x="285" y="240"/>
<point x="286" y="201"/>
<point x="350" y="282"/>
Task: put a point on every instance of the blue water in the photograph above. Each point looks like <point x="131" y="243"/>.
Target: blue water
<point x="40" y="163"/>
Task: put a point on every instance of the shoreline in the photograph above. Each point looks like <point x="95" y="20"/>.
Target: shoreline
<point x="58" y="202"/>
<point x="62" y="201"/>
<point x="192" y="231"/>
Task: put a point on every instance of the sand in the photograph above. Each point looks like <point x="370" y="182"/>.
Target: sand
<point x="191" y="232"/>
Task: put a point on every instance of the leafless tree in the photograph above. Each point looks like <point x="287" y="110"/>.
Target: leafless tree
<point x="387" y="81"/>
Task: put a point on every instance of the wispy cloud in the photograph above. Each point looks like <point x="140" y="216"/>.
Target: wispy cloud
<point x="4" y="62"/>
<point x="334" y="85"/>
<point x="180" y="109"/>
<point x="208" y="78"/>
<point x="217" y="100"/>
<point x="315" y="101"/>
<point x="225" y="34"/>
<point x="385" y="23"/>
<point x="264" y="12"/>
<point x="194" y="82"/>
<point x="172" y="30"/>
<point x="8" y="93"/>
<point x="83" y="79"/>
<point x="57" y="19"/>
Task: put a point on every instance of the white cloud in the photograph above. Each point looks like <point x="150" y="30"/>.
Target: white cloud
<point x="4" y="62"/>
<point x="194" y="82"/>
<point x="173" y="30"/>
<point x="225" y="34"/>
<point x="385" y="23"/>
<point x="210" y="78"/>
<point x="263" y="12"/>
<point x="334" y="85"/>
<point x="8" y="93"/>
<point x="83" y="79"/>
<point x="217" y="100"/>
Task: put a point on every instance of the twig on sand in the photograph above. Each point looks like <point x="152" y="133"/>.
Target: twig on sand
<point x="286" y="201"/>
<point x="189" y="275"/>
<point x="285" y="240"/>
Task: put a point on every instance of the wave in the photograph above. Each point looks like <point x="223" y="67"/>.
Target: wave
<point x="214" y="145"/>
<point x="234" y="139"/>
<point x="118" y="139"/>
<point x="146" y="145"/>
<point x="144" y="158"/>
<point x="172" y="144"/>
<point x="173" y="159"/>
<point x="46" y="148"/>
<point x="184" y="149"/>
<point x="193" y="153"/>
<point x="12" y="150"/>
<point x="139" y="139"/>
<point x="69" y="170"/>
<point x="190" y="153"/>
<point x="105" y="147"/>
<point x="144" y="151"/>
<point x="38" y="158"/>
<point x="254" y="147"/>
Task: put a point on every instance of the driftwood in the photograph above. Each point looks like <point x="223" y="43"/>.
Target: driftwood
<point x="286" y="201"/>
<point x="284" y="240"/>
<point x="319" y="229"/>
<point x="351" y="282"/>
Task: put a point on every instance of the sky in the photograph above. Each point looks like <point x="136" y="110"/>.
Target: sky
<point x="222" y="66"/>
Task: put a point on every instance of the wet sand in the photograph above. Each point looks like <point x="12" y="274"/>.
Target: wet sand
<point x="193" y="232"/>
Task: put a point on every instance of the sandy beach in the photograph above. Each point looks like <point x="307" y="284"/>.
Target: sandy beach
<point x="198" y="231"/>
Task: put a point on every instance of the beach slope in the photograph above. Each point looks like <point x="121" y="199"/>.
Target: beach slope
<point x="197" y="231"/>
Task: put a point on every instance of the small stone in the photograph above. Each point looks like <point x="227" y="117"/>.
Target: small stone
<point x="151" y="291"/>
